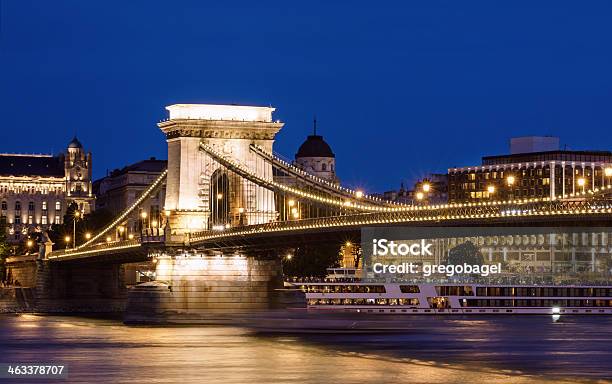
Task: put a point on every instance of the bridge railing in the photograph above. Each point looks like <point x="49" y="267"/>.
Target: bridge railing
<point x="440" y="214"/>
<point x="122" y="244"/>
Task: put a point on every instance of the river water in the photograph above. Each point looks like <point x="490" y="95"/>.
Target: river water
<point x="507" y="349"/>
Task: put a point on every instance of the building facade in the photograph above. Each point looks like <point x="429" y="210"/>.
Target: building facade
<point x="35" y="190"/>
<point x="119" y="190"/>
<point x="548" y="174"/>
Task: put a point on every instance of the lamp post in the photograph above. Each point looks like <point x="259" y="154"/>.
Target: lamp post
<point x="581" y="183"/>
<point x="76" y="216"/>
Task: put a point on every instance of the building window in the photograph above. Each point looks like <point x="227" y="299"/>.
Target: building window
<point x="18" y="219"/>
<point x="44" y="220"/>
<point x="4" y="206"/>
<point x="324" y="167"/>
<point x="44" y="205"/>
<point x="57" y="219"/>
<point x="18" y="206"/>
<point x="30" y="219"/>
<point x="3" y="220"/>
<point x="58" y="206"/>
<point x="31" y="206"/>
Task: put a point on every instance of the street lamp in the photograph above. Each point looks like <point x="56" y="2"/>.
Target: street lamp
<point x="291" y="203"/>
<point x="419" y="195"/>
<point x="426" y="187"/>
<point x="29" y="243"/>
<point x="359" y="194"/>
<point x="491" y="189"/>
<point x="510" y="180"/>
<point x="581" y="183"/>
<point x="67" y="240"/>
<point x="76" y="215"/>
<point x="87" y="236"/>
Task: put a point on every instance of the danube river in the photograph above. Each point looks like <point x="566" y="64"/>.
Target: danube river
<point x="526" y="349"/>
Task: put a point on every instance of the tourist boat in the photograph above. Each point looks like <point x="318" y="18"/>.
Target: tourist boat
<point x="344" y="291"/>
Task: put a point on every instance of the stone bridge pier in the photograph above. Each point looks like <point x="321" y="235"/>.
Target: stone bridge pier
<point x="194" y="286"/>
<point x="72" y="287"/>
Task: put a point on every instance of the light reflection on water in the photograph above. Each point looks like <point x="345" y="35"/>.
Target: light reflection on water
<point x="498" y="350"/>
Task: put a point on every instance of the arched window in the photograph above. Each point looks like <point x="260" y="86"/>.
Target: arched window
<point x="44" y="205"/>
<point x="18" y="205"/>
<point x="58" y="206"/>
<point x="324" y="167"/>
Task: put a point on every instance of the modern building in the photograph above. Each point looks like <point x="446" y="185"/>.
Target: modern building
<point x="540" y="174"/>
<point x="122" y="187"/>
<point x="35" y="190"/>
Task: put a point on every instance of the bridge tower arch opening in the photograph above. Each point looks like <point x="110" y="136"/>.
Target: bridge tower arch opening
<point x="191" y="201"/>
<point x="219" y="204"/>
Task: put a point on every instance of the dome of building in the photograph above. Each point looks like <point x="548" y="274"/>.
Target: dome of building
<point x="75" y="143"/>
<point x="314" y="146"/>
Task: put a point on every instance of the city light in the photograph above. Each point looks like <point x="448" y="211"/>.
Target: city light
<point x="121" y="229"/>
<point x="154" y="223"/>
<point x="608" y="171"/>
<point x="419" y="195"/>
<point x="581" y="181"/>
<point x="348" y="244"/>
<point x="491" y="189"/>
<point x="288" y="256"/>
<point x="426" y="187"/>
<point x="131" y="236"/>
<point x="67" y="239"/>
<point x="143" y="214"/>
<point x="359" y="194"/>
<point x="29" y="243"/>
<point x="240" y="210"/>
<point x="510" y="180"/>
<point x="219" y="196"/>
<point x="108" y="239"/>
<point x="87" y="236"/>
<point x="291" y="203"/>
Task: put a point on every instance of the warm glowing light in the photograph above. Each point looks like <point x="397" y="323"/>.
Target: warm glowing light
<point x="167" y="213"/>
<point x="581" y="181"/>
<point x="143" y="214"/>
<point x="294" y="210"/>
<point x="88" y="236"/>
<point x="491" y="189"/>
<point x="77" y="214"/>
<point x="359" y="194"/>
<point x="220" y="112"/>
<point x="291" y="203"/>
<point x="296" y="215"/>
<point x="108" y="239"/>
<point x="240" y="210"/>
<point x="426" y="187"/>
<point x="131" y="236"/>
<point x="219" y="196"/>
<point x="419" y="195"/>
<point x="67" y="239"/>
<point x="348" y="244"/>
<point x="510" y="180"/>
<point x="289" y="256"/>
<point x="154" y="223"/>
<point x="154" y="261"/>
<point x="121" y="229"/>
<point x="30" y="243"/>
<point x="608" y="171"/>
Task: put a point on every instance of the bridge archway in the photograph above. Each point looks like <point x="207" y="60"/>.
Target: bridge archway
<point x="219" y="203"/>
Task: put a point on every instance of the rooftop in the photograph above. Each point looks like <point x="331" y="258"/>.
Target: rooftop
<point x="31" y="165"/>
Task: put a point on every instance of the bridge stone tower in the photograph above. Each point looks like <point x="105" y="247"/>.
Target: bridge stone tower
<point x="229" y="129"/>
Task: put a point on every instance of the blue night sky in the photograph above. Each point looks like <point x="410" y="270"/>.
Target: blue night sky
<point x="399" y="88"/>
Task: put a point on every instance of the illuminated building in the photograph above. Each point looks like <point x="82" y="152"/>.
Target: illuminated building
<point x="35" y="190"/>
<point x="550" y="174"/>
<point x="122" y="187"/>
